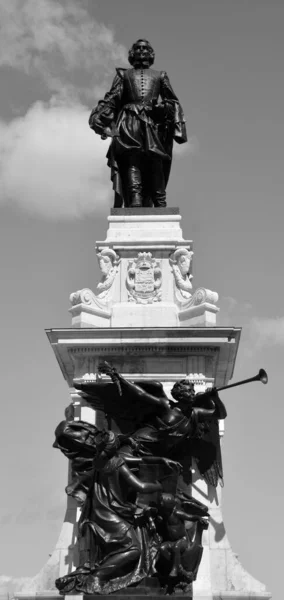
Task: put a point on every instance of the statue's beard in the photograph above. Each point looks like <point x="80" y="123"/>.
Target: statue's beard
<point x="142" y="62"/>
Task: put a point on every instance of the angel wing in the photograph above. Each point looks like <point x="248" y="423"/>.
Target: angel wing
<point x="206" y="450"/>
<point x="125" y="409"/>
<point x="205" y="442"/>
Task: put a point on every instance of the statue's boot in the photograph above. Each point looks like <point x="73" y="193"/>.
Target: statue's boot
<point x="135" y="185"/>
<point x="158" y="184"/>
<point x="160" y="199"/>
<point x="136" y="201"/>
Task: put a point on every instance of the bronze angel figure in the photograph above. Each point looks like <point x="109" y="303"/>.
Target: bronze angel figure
<point x="187" y="427"/>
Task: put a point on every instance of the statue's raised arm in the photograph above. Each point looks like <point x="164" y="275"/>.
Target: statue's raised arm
<point x="158" y="400"/>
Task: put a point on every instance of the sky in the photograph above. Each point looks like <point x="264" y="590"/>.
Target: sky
<point x="225" y="62"/>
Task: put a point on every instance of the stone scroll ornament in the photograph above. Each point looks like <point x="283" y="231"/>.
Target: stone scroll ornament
<point x="138" y="525"/>
<point x="180" y="262"/>
<point x="181" y="265"/>
<point x="144" y="279"/>
<point x="109" y="263"/>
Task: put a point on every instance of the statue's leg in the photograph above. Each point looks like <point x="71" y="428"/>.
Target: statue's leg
<point x="192" y="555"/>
<point x="118" y="564"/>
<point x="179" y="547"/>
<point x="158" y="183"/>
<point x="134" y="180"/>
<point x="165" y="552"/>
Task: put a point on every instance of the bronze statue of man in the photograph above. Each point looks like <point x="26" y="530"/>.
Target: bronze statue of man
<point x="143" y="116"/>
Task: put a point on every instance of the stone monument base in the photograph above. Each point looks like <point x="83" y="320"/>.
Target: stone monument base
<point x="150" y="594"/>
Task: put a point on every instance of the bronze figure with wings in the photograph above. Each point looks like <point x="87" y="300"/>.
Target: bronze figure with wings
<point x="128" y="482"/>
<point x="187" y="427"/>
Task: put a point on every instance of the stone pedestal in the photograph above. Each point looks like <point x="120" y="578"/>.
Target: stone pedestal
<point x="146" y="276"/>
<point x="147" y="320"/>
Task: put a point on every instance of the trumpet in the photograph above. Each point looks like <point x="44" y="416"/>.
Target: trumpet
<point x="261" y="376"/>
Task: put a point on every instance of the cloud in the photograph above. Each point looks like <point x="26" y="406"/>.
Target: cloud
<point x="52" y="164"/>
<point x="234" y="312"/>
<point x="267" y="331"/>
<point x="59" y="42"/>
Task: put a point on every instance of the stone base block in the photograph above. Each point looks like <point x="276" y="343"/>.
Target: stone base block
<point x="152" y="315"/>
<point x="129" y="593"/>
<point x="157" y="226"/>
<point x="84" y="315"/>
<point x="43" y="595"/>
<point x="200" y="315"/>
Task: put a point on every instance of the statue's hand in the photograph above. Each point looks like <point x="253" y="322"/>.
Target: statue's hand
<point x="210" y="392"/>
<point x="106" y="133"/>
<point x="106" y="368"/>
<point x="204" y="521"/>
<point x="172" y="464"/>
<point x="158" y="112"/>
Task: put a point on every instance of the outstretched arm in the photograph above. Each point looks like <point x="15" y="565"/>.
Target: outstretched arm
<point x="130" y="388"/>
<point x="187" y="517"/>
<point x="145" y="487"/>
<point x="137" y="460"/>
<point x="209" y="404"/>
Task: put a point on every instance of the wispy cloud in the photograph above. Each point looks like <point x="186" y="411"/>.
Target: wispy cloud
<point x="258" y="332"/>
<point x="59" y="42"/>
<point x="267" y="331"/>
<point x="234" y="312"/>
<point x="52" y="164"/>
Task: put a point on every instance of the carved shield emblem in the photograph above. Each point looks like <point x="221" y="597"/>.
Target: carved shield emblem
<point x="144" y="278"/>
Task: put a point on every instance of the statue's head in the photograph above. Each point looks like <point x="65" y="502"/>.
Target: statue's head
<point x="107" y="258"/>
<point x="167" y="502"/>
<point x="107" y="443"/>
<point x="141" y="54"/>
<point x="183" y="392"/>
<point x="182" y="257"/>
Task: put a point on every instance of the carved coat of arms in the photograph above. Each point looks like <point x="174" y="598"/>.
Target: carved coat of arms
<point x="144" y="278"/>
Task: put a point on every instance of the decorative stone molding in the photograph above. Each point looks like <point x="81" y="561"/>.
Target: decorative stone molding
<point x="144" y="278"/>
<point x="151" y="362"/>
<point x="91" y="309"/>
<point x="200" y="308"/>
<point x="180" y="262"/>
<point x="121" y="349"/>
<point x="202" y="296"/>
<point x="87" y="297"/>
<point x="87" y="310"/>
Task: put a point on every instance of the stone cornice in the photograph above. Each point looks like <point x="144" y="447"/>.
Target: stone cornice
<point x="216" y="346"/>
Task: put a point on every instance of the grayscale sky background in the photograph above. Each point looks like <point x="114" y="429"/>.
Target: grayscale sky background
<point x="225" y="62"/>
